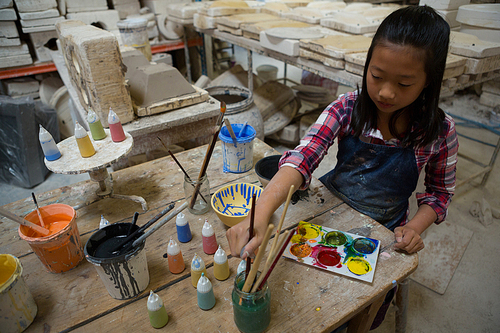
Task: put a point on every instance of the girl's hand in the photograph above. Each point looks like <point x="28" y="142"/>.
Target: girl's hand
<point x="408" y="239"/>
<point x="238" y="238"/>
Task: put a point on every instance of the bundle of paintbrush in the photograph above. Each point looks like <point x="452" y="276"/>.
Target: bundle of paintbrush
<point x="208" y="155"/>
<point x="277" y="249"/>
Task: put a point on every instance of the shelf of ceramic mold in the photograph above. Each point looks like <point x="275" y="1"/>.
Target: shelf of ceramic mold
<point x="252" y="30"/>
<point x="233" y="23"/>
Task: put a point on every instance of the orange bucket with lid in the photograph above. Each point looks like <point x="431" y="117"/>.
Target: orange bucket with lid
<point x="62" y="249"/>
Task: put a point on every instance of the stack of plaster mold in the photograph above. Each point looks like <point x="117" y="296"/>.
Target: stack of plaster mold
<point x="38" y="19"/>
<point x="171" y="23"/>
<point x="252" y="30"/>
<point x="314" y="11"/>
<point x="160" y="6"/>
<point x="22" y="87"/>
<point x="13" y="52"/>
<point x="152" y="28"/>
<point x="147" y="83"/>
<point x="490" y="96"/>
<point x="448" y="9"/>
<point x="481" y="20"/>
<point x="293" y="3"/>
<point x="78" y="6"/>
<point x="93" y="12"/>
<point x="232" y="23"/>
<point x="332" y="51"/>
<point x="96" y="69"/>
<point x="125" y="7"/>
<point x="206" y="17"/>
<point x="274" y="8"/>
<point x="358" y="18"/>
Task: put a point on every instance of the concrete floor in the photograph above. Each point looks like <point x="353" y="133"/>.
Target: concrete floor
<point x="471" y="302"/>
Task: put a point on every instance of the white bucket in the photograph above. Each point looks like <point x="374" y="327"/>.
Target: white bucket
<point x="237" y="158"/>
<point x="134" y="33"/>
<point x="17" y="307"/>
<point x="267" y="72"/>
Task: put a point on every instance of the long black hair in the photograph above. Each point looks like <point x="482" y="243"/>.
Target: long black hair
<point x="423" y="28"/>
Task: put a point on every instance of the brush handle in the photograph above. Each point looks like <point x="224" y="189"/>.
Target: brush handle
<point x="242" y="128"/>
<point x="280" y="224"/>
<point x="24" y="222"/>
<point x="38" y="209"/>
<point x="231" y="132"/>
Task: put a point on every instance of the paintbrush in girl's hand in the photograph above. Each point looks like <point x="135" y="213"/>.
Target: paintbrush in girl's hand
<point x="250" y="233"/>
<point x="37" y="209"/>
<point x="22" y="221"/>
<point x="208" y="155"/>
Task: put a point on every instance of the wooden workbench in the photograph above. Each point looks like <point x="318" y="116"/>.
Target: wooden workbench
<point x="302" y="298"/>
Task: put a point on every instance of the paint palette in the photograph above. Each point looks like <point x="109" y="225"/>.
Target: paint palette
<point x="335" y="251"/>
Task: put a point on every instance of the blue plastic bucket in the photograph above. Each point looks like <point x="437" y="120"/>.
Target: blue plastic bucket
<point x="237" y="158"/>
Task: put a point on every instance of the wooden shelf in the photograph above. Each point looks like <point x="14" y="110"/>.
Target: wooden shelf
<point x="46" y="67"/>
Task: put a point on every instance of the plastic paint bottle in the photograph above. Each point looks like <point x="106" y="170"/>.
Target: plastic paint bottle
<point x="103" y="222"/>
<point x="175" y="260"/>
<point x="197" y="267"/>
<point x="206" y="298"/>
<point x="209" y="240"/>
<point x="83" y="141"/>
<point x="95" y="126"/>
<point x="183" y="230"/>
<point x="115" y="127"/>
<point x="49" y="146"/>
<point x="221" y="266"/>
<point x="158" y="316"/>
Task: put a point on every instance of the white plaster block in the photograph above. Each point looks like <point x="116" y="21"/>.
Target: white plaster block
<point x="9" y="41"/>
<point x="450" y="16"/>
<point x="468" y="45"/>
<point x="123" y="2"/>
<point x="28" y="30"/>
<point x="463" y="79"/>
<point x="76" y="6"/>
<point x="107" y="18"/>
<point x="476" y="66"/>
<point x="41" y="22"/>
<point x="17" y="60"/>
<point x="204" y="22"/>
<point x="444" y="4"/>
<point x="6" y="3"/>
<point x="160" y="6"/>
<point x="8" y="29"/>
<point x="8" y="14"/>
<point x="39" y="39"/>
<point x="286" y="46"/>
<point x="489" y="99"/>
<point x="40" y="15"/>
<point x="35" y="5"/>
<point x="8" y="51"/>
<point x="127" y="9"/>
<point x="21" y="86"/>
<point x="492" y="87"/>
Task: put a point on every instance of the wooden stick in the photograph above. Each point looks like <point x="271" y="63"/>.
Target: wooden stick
<point x="267" y="266"/>
<point x="274" y="246"/>
<point x="253" y="272"/>
<point x="278" y="256"/>
<point x="38" y="209"/>
<point x="210" y="150"/>
<point x="231" y="132"/>
<point x="22" y="221"/>
<point x="250" y="232"/>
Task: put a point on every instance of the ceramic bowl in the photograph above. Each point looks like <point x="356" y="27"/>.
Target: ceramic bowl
<point x="233" y="202"/>
<point x="266" y="168"/>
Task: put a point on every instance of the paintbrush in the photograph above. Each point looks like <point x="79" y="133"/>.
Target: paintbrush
<point x="250" y="232"/>
<point x="231" y="132"/>
<point x="242" y="128"/>
<point x="272" y="256"/>
<point x="210" y="150"/>
<point x="20" y="220"/>
<point x="37" y="209"/>
<point x="134" y="221"/>
<point x="280" y="224"/>
<point x="253" y="272"/>
<point x="159" y="224"/>
<point x="141" y="229"/>
<point x="278" y="256"/>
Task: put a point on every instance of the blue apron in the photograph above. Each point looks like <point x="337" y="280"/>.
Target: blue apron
<point x="376" y="180"/>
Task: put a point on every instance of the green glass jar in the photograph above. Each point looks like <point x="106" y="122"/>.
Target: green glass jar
<point x="252" y="311"/>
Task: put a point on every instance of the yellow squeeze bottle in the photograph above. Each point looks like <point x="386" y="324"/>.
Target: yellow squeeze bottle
<point x="82" y="139"/>
<point x="197" y="267"/>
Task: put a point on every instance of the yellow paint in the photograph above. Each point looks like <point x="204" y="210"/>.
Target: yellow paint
<point x="358" y="266"/>
<point x="308" y="231"/>
<point x="195" y="276"/>
<point x="318" y="308"/>
<point x="86" y="147"/>
<point x="7" y="268"/>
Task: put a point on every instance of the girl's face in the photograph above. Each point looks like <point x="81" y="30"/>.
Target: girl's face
<point x="395" y="77"/>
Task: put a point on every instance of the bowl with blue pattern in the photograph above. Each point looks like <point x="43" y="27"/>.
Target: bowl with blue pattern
<point x="233" y="202"/>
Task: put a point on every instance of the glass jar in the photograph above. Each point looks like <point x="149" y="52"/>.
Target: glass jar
<point x="202" y="202"/>
<point x="252" y="311"/>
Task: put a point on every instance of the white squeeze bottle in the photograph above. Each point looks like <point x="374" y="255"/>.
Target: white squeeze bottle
<point x="158" y="316"/>
<point x="49" y="146"/>
<point x="103" y="223"/>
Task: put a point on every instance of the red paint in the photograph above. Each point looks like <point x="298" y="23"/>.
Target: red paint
<point x="325" y="256"/>
<point x="329" y="258"/>
<point x="117" y="134"/>
<point x="210" y="244"/>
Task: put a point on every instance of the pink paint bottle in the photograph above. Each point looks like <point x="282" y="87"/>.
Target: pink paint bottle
<point x="115" y="127"/>
<point x="209" y="240"/>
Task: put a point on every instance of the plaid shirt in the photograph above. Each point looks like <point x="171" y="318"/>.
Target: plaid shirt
<point x="439" y="157"/>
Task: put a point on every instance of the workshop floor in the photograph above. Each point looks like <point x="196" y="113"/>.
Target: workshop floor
<point x="471" y="302"/>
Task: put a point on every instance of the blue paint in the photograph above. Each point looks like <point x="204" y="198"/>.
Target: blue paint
<point x="237" y="158"/>
<point x="184" y="233"/>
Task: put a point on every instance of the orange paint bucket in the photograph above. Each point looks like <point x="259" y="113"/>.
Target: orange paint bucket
<point x="62" y="249"/>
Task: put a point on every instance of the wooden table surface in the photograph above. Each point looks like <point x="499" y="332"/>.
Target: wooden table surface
<point x="78" y="301"/>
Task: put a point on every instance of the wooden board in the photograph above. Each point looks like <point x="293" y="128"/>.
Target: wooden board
<point x="445" y="245"/>
<point x="174" y="103"/>
<point x="336" y="46"/>
<point x="327" y="61"/>
<point x="235" y="21"/>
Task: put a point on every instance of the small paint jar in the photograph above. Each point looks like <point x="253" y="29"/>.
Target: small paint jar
<point x="183" y="230"/>
<point x="252" y="311"/>
<point x="205" y="293"/>
<point x="197" y="268"/>
<point x="208" y="238"/>
<point x="221" y="266"/>
<point x="175" y="261"/>
<point x="201" y="204"/>
<point x="158" y="316"/>
<point x="95" y="126"/>
<point x="48" y="144"/>
<point x="83" y="141"/>
<point x="115" y="127"/>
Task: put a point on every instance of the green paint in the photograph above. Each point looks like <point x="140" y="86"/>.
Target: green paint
<point x="158" y="318"/>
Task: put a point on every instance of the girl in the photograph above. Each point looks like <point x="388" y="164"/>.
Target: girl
<point x="386" y="132"/>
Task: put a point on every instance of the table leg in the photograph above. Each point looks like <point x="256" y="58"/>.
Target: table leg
<point x="186" y="54"/>
<point x="250" y="70"/>
<point x="363" y="321"/>
<point x="402" y="305"/>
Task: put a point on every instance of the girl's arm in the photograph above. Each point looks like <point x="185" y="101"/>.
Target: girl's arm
<point x="408" y="236"/>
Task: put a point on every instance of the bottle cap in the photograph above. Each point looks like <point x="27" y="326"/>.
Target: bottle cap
<point x="207" y="230"/>
<point x="80" y="132"/>
<point x="173" y="247"/>
<point x="220" y="256"/>
<point x="154" y="302"/>
<point x="92" y="117"/>
<point x="103" y="222"/>
<point x="204" y="284"/>
<point x="181" y="219"/>
<point x="197" y="264"/>
<point x="113" y="117"/>
<point x="44" y="135"/>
